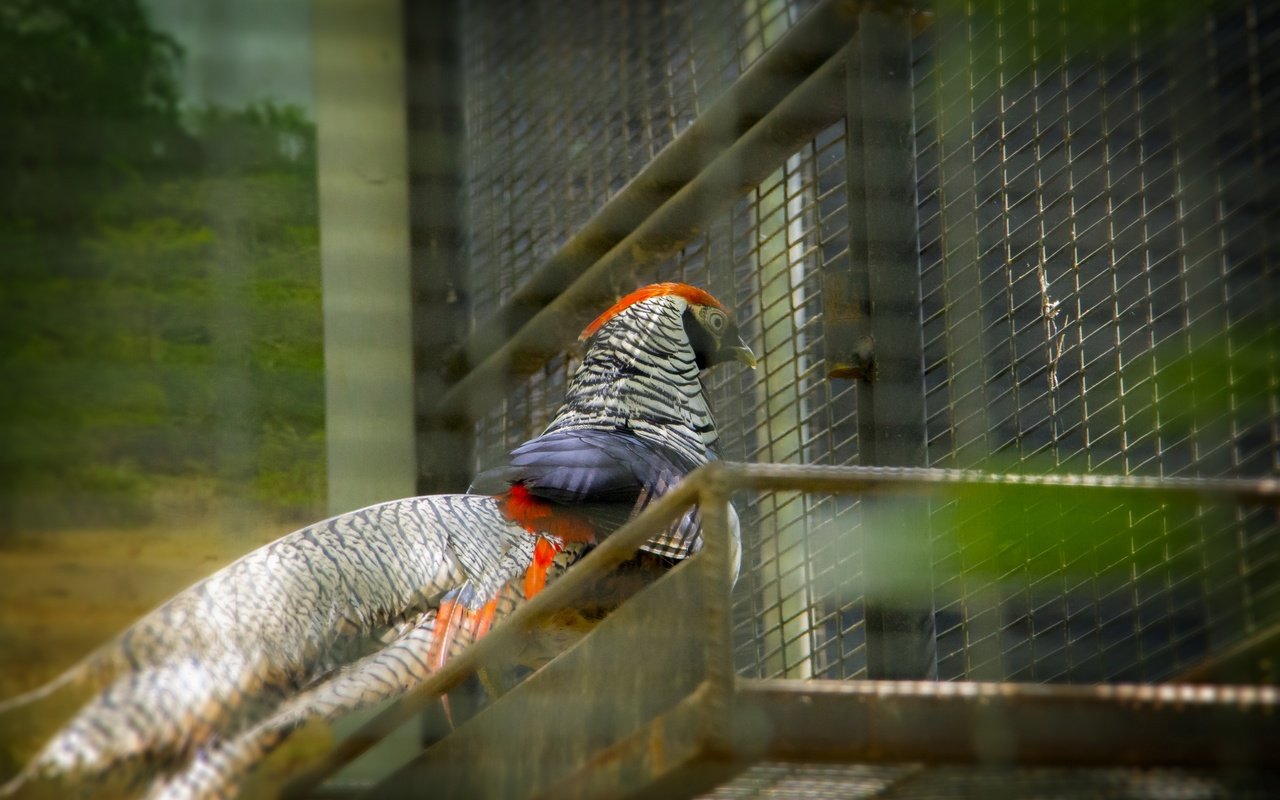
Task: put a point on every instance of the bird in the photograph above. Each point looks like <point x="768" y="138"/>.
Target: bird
<point x="364" y="606"/>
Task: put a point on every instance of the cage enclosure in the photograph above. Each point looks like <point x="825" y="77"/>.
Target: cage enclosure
<point x="1006" y="471"/>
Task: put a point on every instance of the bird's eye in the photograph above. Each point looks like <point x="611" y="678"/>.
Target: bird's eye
<point x="716" y="320"/>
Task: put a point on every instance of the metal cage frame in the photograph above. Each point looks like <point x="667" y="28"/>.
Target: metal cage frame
<point x="695" y="724"/>
<point x="840" y="87"/>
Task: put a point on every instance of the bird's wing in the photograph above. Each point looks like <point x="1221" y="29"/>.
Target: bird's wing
<point x="604" y="476"/>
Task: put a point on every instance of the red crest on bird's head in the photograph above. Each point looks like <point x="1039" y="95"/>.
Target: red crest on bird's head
<point x="693" y="294"/>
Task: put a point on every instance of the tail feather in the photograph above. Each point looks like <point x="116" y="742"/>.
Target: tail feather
<point x="419" y="647"/>
<point x="79" y="673"/>
<point x="196" y="693"/>
<point x="82" y="673"/>
<point x="219" y="768"/>
<point x="223" y="654"/>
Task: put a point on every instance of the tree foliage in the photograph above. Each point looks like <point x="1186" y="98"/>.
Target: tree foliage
<point x="88" y="92"/>
<point x="160" y="281"/>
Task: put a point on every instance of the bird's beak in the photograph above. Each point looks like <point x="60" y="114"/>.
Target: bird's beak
<point x="741" y="352"/>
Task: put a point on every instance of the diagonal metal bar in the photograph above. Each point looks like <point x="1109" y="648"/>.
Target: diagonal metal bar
<point x="790" y="94"/>
<point x="714" y="482"/>
<point x="809" y="43"/>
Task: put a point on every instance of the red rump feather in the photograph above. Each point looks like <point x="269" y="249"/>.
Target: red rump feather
<point x="539" y="516"/>
<point x="693" y="294"/>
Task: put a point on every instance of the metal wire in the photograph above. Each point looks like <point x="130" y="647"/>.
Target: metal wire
<point x="708" y="487"/>
<point x="1097" y="285"/>
<point x="1086" y="239"/>
<point x="539" y="169"/>
<point x="604" y="88"/>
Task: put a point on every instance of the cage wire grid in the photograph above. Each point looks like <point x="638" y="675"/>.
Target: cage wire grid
<point x="1085" y="230"/>
<point x="1090" y="225"/>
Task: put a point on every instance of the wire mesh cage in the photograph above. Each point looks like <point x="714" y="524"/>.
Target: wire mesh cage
<point x="1006" y="470"/>
<point x="1093" y="294"/>
<point x="1024" y="238"/>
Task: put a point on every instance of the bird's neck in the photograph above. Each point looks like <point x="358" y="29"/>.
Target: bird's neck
<point x="645" y="381"/>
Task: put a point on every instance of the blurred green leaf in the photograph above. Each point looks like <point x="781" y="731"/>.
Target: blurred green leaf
<point x="1008" y="37"/>
<point x="1208" y="382"/>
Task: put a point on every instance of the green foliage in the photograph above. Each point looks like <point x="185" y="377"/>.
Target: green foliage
<point x="1039" y="533"/>
<point x="88" y="92"/>
<point x="257" y="137"/>
<point x="983" y="538"/>
<point x="92" y="58"/>
<point x="287" y="474"/>
<point x="1204" y="389"/>
<point x="1000" y="38"/>
<point x="161" y="283"/>
<point x="1207" y="380"/>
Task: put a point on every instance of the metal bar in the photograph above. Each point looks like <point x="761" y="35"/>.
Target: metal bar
<point x="648" y="656"/>
<point x="891" y="415"/>
<point x="718" y="567"/>
<point x="438" y="255"/>
<point x="686" y="665"/>
<point x="887" y="722"/>
<point x="364" y="254"/>
<point x="684" y="766"/>
<point x="893" y="249"/>
<point x="727" y="477"/>
<point x="789" y="477"/>
<point x="439" y="269"/>
<point x="846" y="303"/>
<point x="814" y="105"/>
<point x="1006" y="723"/>
<point x="813" y="40"/>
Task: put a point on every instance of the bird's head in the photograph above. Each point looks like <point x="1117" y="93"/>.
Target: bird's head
<point x="712" y="333"/>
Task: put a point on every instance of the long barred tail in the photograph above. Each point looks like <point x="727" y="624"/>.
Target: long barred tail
<point x="76" y="674"/>
<point x="413" y="652"/>
<point x="218" y="768"/>
<point x="236" y="649"/>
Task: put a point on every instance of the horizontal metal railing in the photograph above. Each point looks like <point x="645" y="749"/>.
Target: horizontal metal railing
<point x="710" y="488"/>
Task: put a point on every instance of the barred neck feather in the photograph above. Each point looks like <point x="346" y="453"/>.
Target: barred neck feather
<point x="639" y="374"/>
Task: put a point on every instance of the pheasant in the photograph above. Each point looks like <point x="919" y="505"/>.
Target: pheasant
<point x="364" y="606"/>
